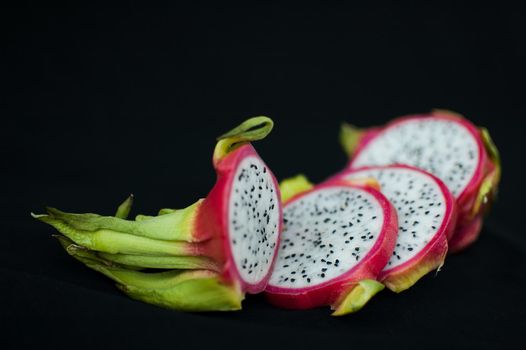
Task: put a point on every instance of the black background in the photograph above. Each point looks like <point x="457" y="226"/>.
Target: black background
<point x="98" y="103"/>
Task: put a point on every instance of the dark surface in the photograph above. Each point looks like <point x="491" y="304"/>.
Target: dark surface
<point x="101" y="103"/>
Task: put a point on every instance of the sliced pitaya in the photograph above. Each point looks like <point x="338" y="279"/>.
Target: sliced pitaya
<point x="336" y="240"/>
<point x="444" y="144"/>
<point x="426" y="218"/>
<point x="233" y="233"/>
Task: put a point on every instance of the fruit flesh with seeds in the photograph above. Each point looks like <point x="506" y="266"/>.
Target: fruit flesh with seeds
<point x="232" y="234"/>
<point x="443" y="143"/>
<point x="336" y="237"/>
<point x="426" y="217"/>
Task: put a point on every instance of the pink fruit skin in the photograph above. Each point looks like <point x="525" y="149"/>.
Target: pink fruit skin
<point x="465" y="199"/>
<point x="404" y="275"/>
<point x="467" y="234"/>
<point x="212" y="219"/>
<point x="369" y="267"/>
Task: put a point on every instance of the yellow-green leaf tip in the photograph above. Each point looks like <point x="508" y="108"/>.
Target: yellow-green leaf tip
<point x="356" y="299"/>
<point x="293" y="186"/>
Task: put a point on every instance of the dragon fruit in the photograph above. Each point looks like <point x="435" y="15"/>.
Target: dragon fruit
<point x="445" y="144"/>
<point x="214" y="250"/>
<point x="337" y="238"/>
<point x="426" y="216"/>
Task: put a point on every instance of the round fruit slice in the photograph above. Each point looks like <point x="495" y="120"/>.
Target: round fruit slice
<point x="336" y="239"/>
<point x="426" y="218"/>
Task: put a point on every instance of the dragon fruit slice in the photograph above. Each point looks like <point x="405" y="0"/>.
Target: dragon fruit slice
<point x="444" y="144"/>
<point x="336" y="239"/>
<point x="233" y="233"/>
<point x="426" y="217"/>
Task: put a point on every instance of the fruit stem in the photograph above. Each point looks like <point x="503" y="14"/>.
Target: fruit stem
<point x="161" y="262"/>
<point x="253" y="129"/>
<point x="109" y="241"/>
<point x="194" y="290"/>
<point x="175" y="226"/>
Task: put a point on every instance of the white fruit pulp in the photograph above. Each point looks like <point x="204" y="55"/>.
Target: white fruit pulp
<point x="420" y="206"/>
<point x="326" y="233"/>
<point x="444" y="148"/>
<point x="253" y="219"/>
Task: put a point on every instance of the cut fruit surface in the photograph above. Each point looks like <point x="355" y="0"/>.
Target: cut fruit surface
<point x="446" y="148"/>
<point x="254" y="219"/>
<point x="335" y="235"/>
<point x="426" y="218"/>
<point x="444" y="144"/>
